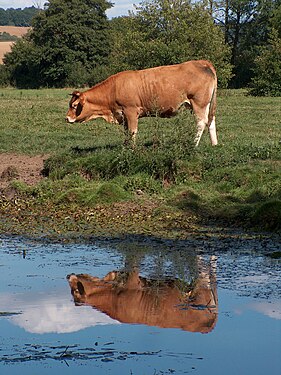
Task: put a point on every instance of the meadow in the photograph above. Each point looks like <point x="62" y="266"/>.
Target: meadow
<point x="93" y="183"/>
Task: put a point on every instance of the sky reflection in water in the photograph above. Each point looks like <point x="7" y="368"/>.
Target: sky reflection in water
<point x="46" y="332"/>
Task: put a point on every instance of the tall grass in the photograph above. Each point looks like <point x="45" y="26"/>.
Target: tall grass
<point x="239" y="180"/>
<point x="157" y="153"/>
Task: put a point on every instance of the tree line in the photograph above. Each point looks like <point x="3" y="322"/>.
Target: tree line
<point x="17" y="17"/>
<point x="73" y="43"/>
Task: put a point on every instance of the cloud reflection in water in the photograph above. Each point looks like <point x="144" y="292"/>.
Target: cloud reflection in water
<point x="41" y="313"/>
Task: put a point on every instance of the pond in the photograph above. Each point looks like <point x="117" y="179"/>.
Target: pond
<point x="141" y="306"/>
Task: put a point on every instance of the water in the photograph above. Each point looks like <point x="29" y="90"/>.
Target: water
<point x="218" y="299"/>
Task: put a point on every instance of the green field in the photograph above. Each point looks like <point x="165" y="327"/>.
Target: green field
<point x="163" y="184"/>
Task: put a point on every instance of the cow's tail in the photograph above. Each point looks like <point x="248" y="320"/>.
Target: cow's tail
<point x="211" y="115"/>
<point x="213" y="103"/>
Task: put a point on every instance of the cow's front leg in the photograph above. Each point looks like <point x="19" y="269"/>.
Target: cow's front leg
<point x="131" y="126"/>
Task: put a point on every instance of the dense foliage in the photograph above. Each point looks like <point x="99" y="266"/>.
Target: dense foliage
<point x="163" y="32"/>
<point x="267" y="79"/>
<point x="17" y="17"/>
<point x="67" y="41"/>
<point x="246" y="25"/>
<point x="267" y="71"/>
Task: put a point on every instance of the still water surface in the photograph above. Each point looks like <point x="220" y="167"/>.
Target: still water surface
<point x="149" y="307"/>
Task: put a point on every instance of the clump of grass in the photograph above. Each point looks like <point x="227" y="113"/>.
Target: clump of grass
<point x="109" y="192"/>
<point x="94" y="193"/>
<point x="142" y="183"/>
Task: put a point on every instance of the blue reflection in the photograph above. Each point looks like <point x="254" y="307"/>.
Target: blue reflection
<point x="43" y="331"/>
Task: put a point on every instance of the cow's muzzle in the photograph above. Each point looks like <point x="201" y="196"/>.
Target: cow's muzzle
<point x="70" y="120"/>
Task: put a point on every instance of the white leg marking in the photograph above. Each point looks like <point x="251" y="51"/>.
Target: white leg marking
<point x="201" y="127"/>
<point x="202" y="121"/>
<point x="213" y="133"/>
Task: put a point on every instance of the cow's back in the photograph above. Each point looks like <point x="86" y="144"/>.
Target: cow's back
<point x="165" y="87"/>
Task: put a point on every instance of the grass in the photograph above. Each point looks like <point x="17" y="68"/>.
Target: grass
<point x="164" y="182"/>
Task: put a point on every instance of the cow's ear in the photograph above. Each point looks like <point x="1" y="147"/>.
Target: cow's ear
<point x="80" y="288"/>
<point x="82" y="99"/>
<point x="76" y="94"/>
<point x="110" y="276"/>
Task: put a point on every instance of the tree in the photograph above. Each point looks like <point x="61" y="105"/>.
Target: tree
<point x="245" y="24"/>
<point x="23" y="63"/>
<point x="267" y="80"/>
<point x="164" y="32"/>
<point x="267" y="70"/>
<point x="69" y="38"/>
<point x="275" y="20"/>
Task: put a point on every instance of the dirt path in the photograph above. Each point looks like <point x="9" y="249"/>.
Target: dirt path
<point x="20" y="167"/>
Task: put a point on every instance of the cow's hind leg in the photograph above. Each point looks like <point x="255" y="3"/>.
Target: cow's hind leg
<point x="213" y="132"/>
<point x="202" y="121"/>
<point x="201" y="124"/>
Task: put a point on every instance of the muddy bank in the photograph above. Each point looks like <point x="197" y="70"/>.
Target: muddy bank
<point x="19" y="216"/>
<point x="24" y="168"/>
<point x="22" y="214"/>
<point x="31" y="214"/>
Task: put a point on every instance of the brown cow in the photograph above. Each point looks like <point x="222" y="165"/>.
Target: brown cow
<point x="129" y="95"/>
<point x="130" y="298"/>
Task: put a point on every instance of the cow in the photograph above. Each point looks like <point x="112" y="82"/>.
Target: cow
<point x="125" y="97"/>
<point x="129" y="298"/>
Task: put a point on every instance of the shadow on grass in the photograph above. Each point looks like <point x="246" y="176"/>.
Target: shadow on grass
<point x="86" y="150"/>
<point x="255" y="211"/>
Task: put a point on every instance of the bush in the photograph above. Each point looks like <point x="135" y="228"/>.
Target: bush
<point x="99" y="74"/>
<point x="77" y="75"/>
<point x="267" y="79"/>
<point x="168" y="32"/>
<point x="4" y="76"/>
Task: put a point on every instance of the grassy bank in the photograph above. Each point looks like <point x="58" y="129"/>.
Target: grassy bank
<point x="94" y="184"/>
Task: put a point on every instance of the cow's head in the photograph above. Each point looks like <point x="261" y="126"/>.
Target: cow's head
<point x="81" y="109"/>
<point x="76" y="105"/>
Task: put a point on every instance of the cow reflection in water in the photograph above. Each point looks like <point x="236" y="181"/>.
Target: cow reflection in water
<point x="130" y="298"/>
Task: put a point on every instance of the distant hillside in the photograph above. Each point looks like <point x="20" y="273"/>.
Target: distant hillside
<point x="17" y="17"/>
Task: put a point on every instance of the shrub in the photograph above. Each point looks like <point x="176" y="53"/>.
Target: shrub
<point x="267" y="79"/>
<point x="4" y="76"/>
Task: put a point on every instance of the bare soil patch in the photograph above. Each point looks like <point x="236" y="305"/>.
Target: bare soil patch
<point x="20" y="167"/>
